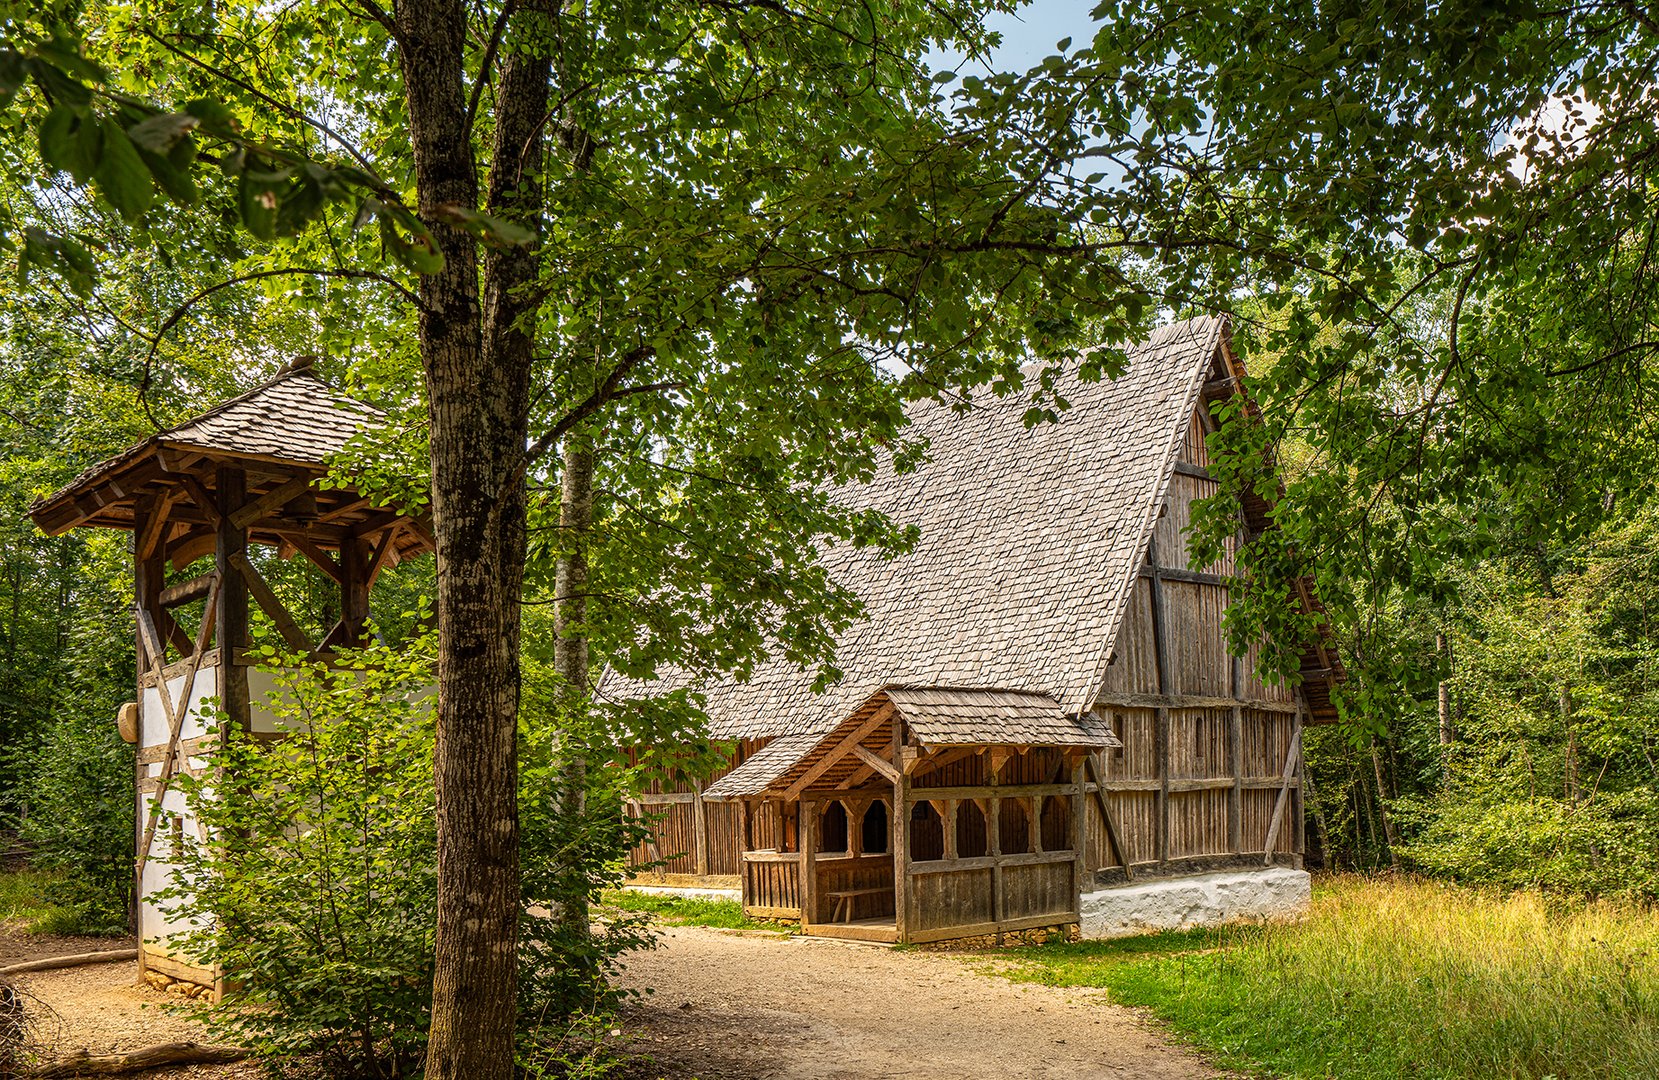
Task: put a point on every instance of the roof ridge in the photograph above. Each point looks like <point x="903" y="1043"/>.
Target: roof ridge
<point x="288" y="371"/>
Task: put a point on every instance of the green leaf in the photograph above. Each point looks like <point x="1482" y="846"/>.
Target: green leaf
<point x="71" y="140"/>
<point x="160" y="133"/>
<point x="258" y="201"/>
<point x="122" y="175"/>
<point x="175" y="181"/>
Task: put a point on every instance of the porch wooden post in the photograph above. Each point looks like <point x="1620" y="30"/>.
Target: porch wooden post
<point x="699" y="830"/>
<point x="901" y="835"/>
<point x="809" y="863"/>
<point x="354" y="590"/>
<point x="1078" y="839"/>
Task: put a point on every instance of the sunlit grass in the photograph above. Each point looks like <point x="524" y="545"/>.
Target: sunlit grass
<point x="24" y="898"/>
<point x="687" y="911"/>
<point x="1398" y="979"/>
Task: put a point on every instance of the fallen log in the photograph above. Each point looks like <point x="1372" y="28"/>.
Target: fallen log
<point x="82" y="1063"/>
<point x="108" y="956"/>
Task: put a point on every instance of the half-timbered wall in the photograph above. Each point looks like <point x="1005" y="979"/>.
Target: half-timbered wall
<point x="1206" y="765"/>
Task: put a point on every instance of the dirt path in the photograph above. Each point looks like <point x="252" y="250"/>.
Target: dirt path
<point x="732" y="1007"/>
<point x="98" y="1008"/>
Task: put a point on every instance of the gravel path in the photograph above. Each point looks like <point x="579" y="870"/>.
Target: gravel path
<point x="748" y="1006"/>
<point x="765" y="1007"/>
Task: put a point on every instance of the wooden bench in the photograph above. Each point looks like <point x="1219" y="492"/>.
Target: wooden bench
<point x="846" y="900"/>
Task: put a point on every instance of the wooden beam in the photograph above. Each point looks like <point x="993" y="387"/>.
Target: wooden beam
<point x="383" y="550"/>
<point x="186" y="591"/>
<point x="1277" y="820"/>
<point x="1191" y="701"/>
<point x="175" y="718"/>
<point x="1160" y="729"/>
<point x="271" y="501"/>
<point x="876" y="763"/>
<point x="836" y="753"/>
<point x="154" y="528"/>
<point x="1189" y="577"/>
<point x="195" y="543"/>
<point x="271" y="604"/>
<point x="174" y="633"/>
<point x="900" y="819"/>
<point x="699" y="831"/>
<point x="201" y="497"/>
<point x="1197" y="472"/>
<point x="1113" y="834"/>
<point x="305" y="546"/>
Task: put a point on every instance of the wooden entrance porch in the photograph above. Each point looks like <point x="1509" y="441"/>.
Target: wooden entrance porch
<point x="881" y="830"/>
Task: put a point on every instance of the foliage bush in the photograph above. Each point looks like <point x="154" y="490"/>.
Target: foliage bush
<point x="316" y="890"/>
<point x="316" y="887"/>
<point x="79" y="822"/>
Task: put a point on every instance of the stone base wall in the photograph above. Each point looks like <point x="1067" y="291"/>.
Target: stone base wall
<point x="1201" y="900"/>
<point x="686" y="893"/>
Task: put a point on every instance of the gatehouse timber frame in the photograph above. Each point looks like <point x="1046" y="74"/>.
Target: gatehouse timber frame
<point x="252" y="471"/>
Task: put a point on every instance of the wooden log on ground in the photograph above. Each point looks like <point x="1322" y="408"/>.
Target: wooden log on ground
<point x="82" y="1063"/>
<point x="108" y="956"/>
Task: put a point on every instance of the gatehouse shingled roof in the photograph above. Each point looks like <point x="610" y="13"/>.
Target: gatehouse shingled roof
<point x="1031" y="540"/>
<point x="281" y="431"/>
<point x="293" y="419"/>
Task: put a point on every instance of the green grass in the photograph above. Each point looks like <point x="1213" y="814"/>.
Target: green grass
<point x="1401" y="979"/>
<point x="687" y="911"/>
<point x="24" y="898"/>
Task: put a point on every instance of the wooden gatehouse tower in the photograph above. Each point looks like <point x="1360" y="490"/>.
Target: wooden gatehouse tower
<point x="248" y="474"/>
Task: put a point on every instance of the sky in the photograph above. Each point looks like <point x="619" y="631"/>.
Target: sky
<point x="1030" y="34"/>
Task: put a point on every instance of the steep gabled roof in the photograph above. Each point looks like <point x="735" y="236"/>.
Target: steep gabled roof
<point x="1031" y="539"/>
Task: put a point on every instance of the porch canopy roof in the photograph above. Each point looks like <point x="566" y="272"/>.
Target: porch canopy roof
<point x="934" y="716"/>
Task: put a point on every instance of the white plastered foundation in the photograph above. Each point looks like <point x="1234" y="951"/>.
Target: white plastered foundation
<point x="1200" y="900"/>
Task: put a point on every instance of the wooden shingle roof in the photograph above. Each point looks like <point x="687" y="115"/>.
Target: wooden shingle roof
<point x="1031" y="540"/>
<point x="282" y="432"/>
<point x="934" y="716"/>
<point x="962" y="716"/>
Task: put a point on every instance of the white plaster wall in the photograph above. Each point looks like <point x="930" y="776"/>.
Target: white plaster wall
<point x="155" y="922"/>
<point x="1200" y="900"/>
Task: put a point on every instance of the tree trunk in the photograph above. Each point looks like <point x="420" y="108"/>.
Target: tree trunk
<point x="1443" y="704"/>
<point x="570" y="648"/>
<point x="1382" y="808"/>
<point x="1569" y="766"/>
<point x="477" y="363"/>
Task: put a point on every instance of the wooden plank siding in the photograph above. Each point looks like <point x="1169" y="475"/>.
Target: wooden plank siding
<point x="1204" y="739"/>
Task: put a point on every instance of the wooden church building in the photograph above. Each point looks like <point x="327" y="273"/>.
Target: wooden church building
<point x="202" y="502"/>
<point x="1039" y="722"/>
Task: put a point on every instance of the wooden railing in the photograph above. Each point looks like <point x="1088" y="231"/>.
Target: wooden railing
<point x="772" y="884"/>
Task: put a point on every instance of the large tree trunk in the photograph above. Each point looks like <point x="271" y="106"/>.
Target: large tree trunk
<point x="477" y="360"/>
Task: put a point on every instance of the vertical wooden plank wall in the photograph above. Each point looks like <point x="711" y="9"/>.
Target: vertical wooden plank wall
<point x="1205" y="741"/>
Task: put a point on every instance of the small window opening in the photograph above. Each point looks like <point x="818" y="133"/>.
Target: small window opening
<point x="1014" y="828"/>
<point x="832" y="828"/>
<point x="972" y="842"/>
<point x="927" y="833"/>
<point x="874" y="834"/>
<point x="1056" y="824"/>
